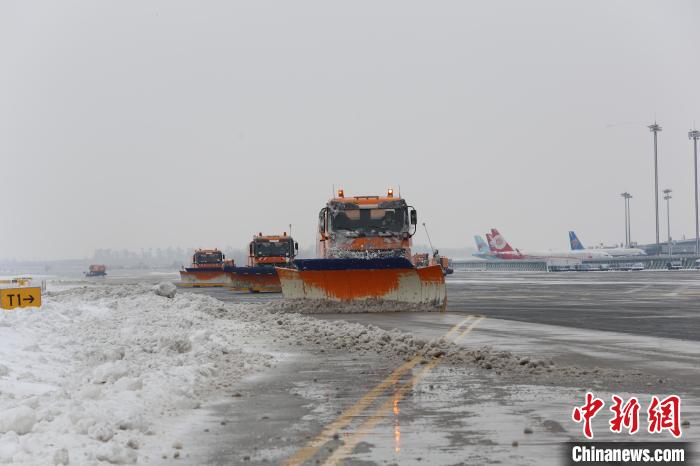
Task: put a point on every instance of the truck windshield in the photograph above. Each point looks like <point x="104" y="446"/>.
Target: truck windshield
<point x="213" y="258"/>
<point x="370" y="222"/>
<point x="273" y="248"/>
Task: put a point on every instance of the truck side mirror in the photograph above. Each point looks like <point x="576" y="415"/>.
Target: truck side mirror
<point x="296" y="246"/>
<point x="322" y="221"/>
<point x="414" y="217"/>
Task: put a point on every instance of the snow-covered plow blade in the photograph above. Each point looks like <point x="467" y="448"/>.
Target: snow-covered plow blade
<point x="197" y="278"/>
<point x="393" y="280"/>
<point x="258" y="279"/>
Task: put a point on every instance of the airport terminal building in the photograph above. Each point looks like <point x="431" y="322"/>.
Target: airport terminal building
<point x="680" y="247"/>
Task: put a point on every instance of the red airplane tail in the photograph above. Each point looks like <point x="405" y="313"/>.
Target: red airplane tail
<point x="498" y="243"/>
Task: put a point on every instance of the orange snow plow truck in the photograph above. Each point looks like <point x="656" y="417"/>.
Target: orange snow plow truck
<point x="264" y="253"/>
<point x="206" y="270"/>
<point x="364" y="243"/>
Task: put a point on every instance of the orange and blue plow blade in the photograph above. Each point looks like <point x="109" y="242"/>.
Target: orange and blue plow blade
<point x="346" y="280"/>
<point x="259" y="279"/>
<point x="201" y="278"/>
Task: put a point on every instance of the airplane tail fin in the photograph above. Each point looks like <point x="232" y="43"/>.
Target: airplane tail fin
<point x="499" y="242"/>
<point x="575" y="242"/>
<point x="481" y="244"/>
<point x="489" y="240"/>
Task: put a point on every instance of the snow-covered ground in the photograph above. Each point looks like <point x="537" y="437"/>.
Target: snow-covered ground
<point x="95" y="373"/>
<point x="119" y="374"/>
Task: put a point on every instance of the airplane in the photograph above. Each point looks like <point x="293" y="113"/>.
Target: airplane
<point x="576" y="245"/>
<point x="503" y="250"/>
<point x="483" y="249"/>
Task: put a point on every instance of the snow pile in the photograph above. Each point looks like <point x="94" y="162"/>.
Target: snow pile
<point x="95" y="373"/>
<point x="284" y="322"/>
<point x="165" y="289"/>
<point x="348" y="307"/>
<point x="19" y="420"/>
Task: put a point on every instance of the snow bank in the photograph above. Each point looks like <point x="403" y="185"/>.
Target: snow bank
<point x="349" y="307"/>
<point x="165" y="289"/>
<point x="93" y="374"/>
<point x="285" y="322"/>
<point x="19" y="420"/>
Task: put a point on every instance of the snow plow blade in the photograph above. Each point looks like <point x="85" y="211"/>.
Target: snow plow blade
<point x="202" y="278"/>
<point x="392" y="280"/>
<point x="259" y="279"/>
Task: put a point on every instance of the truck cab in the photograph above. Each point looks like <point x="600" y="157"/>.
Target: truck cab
<point x="209" y="259"/>
<point x="271" y="250"/>
<point x="366" y="227"/>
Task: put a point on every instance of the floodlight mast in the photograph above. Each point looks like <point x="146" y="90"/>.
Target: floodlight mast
<point x="695" y="135"/>
<point x="655" y="128"/>
<point x="667" y="198"/>
<point x="628" y="240"/>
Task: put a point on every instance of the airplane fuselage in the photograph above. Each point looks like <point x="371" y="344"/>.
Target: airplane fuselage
<point x="621" y="252"/>
<point x="549" y="255"/>
<point x="579" y="254"/>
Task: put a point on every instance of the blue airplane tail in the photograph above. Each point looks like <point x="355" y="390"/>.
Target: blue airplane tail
<point x="575" y="243"/>
<point x="481" y="244"/>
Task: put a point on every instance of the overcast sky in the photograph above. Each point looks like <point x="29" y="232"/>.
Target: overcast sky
<point x="154" y="124"/>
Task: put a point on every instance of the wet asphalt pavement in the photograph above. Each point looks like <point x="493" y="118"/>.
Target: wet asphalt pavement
<point x="654" y="303"/>
<point x="651" y="303"/>
<point x="648" y="321"/>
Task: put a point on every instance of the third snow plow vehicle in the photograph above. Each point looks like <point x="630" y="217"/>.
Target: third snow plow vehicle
<point x="207" y="269"/>
<point x="264" y="253"/>
<point x="365" y="247"/>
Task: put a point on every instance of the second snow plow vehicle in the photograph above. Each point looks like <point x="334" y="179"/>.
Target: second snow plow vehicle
<point x="264" y="253"/>
<point x="365" y="248"/>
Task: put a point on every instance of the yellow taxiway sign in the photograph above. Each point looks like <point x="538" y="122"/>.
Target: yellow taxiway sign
<point x="11" y="298"/>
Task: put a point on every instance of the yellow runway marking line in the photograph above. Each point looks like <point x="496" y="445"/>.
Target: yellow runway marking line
<point x="386" y="408"/>
<point x="457" y="326"/>
<point x="348" y="415"/>
<point x="468" y="329"/>
<point x="378" y="416"/>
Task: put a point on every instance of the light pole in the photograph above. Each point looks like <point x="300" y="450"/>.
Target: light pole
<point x="667" y="197"/>
<point x="694" y="134"/>
<point x="626" y="197"/>
<point x="629" y="221"/>
<point x="655" y="128"/>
